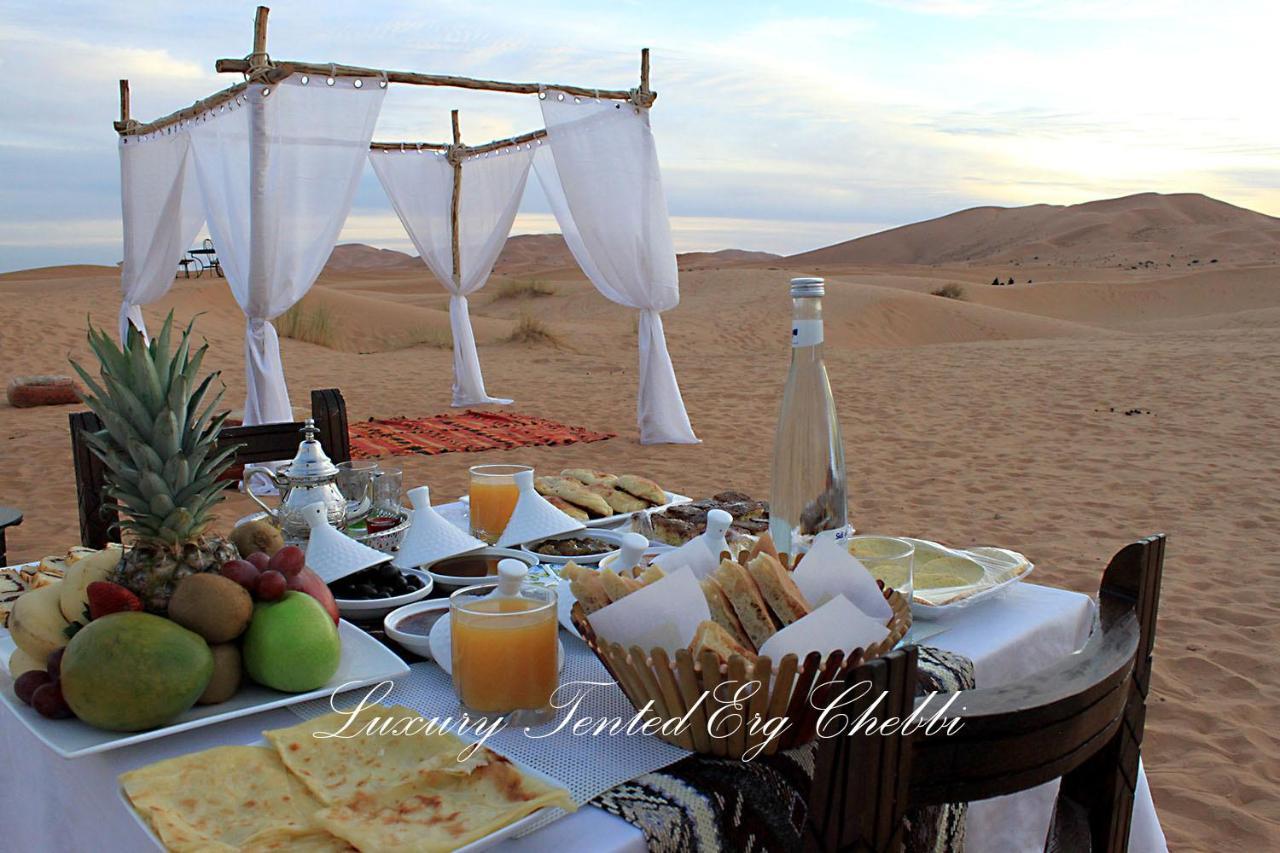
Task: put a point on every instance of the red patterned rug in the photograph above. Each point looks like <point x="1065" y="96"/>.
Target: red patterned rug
<point x="464" y="432"/>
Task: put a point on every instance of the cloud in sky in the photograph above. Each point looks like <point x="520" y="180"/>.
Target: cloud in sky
<point x="779" y="128"/>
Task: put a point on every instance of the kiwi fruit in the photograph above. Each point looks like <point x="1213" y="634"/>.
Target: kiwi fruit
<point x="257" y="535"/>
<point x="225" y="682"/>
<point x="216" y="608"/>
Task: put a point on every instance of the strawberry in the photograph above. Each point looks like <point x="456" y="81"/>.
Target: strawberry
<point x="106" y="597"/>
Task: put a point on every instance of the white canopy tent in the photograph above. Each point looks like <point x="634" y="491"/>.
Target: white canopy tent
<point x="272" y="165"/>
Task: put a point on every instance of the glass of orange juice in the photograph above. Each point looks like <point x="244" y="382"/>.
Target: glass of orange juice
<point x="505" y="647"/>
<point x="493" y="496"/>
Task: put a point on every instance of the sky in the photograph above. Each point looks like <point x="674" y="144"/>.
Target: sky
<point x="780" y="126"/>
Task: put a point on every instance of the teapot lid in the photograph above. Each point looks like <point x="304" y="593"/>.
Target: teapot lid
<point x="311" y="463"/>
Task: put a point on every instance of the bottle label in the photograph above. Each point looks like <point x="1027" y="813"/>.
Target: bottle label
<point x="806" y="333"/>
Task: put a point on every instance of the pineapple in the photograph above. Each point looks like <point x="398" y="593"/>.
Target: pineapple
<point x="160" y="450"/>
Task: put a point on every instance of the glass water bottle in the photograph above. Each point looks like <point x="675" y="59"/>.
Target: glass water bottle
<point x="808" y="493"/>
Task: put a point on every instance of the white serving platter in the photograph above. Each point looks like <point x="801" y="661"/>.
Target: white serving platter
<point x="458" y="512"/>
<point x="501" y="834"/>
<point x="1001" y="569"/>
<point x="364" y="661"/>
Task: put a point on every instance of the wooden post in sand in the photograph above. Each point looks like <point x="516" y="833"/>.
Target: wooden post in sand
<point x="456" y="153"/>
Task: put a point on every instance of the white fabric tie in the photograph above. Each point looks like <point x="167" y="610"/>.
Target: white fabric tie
<point x="468" y="383"/>
<point x="130" y="313"/>
<point x="267" y="401"/>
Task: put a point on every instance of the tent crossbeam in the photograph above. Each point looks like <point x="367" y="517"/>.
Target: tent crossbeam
<point x="642" y="96"/>
<point x="467" y="150"/>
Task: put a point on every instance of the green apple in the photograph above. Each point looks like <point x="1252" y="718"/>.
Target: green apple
<point x="292" y="644"/>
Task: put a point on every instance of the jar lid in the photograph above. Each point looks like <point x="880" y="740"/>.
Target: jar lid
<point x="311" y="463"/>
<point x="808" y="287"/>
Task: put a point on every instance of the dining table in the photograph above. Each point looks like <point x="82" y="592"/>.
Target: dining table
<point x="57" y="804"/>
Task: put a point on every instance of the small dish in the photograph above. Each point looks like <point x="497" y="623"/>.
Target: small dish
<point x="366" y="609"/>
<point x="646" y="557"/>
<point x="467" y="569"/>
<point x="612" y="537"/>
<point x="414" y="641"/>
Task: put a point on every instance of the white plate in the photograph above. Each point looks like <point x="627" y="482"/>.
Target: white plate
<point x="365" y="609"/>
<point x="1001" y="569"/>
<point x="501" y="834"/>
<point x="612" y="537"/>
<point x="364" y="661"/>
<point x="442" y="646"/>
<point x="459" y="512"/>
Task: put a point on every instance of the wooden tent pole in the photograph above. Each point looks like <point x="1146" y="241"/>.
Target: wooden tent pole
<point x="259" y="214"/>
<point x="471" y="150"/>
<point x="456" y="153"/>
<point x="644" y="71"/>
<point x="417" y="79"/>
<point x="124" y="102"/>
<point x="259" y="57"/>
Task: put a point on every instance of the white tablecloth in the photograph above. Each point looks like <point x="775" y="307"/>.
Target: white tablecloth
<point x="52" y="804"/>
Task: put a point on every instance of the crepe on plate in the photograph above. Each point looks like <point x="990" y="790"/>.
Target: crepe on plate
<point x="390" y="792"/>
<point x="225" y="799"/>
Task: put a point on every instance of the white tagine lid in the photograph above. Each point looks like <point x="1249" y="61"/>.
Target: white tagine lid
<point x="534" y="517"/>
<point x="431" y="536"/>
<point x="332" y="554"/>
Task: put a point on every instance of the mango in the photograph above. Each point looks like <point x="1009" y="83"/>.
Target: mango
<point x="128" y="672"/>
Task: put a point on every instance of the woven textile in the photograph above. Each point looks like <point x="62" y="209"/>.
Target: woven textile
<point x="706" y="804"/>
<point x="461" y="432"/>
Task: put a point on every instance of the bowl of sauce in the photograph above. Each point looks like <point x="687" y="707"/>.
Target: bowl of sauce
<point x="411" y="625"/>
<point x="468" y="569"/>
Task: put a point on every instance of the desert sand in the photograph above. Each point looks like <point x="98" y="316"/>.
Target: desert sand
<point x="998" y="418"/>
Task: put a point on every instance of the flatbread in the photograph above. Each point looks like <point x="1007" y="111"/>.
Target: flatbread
<point x="227" y="798"/>
<point x="573" y="492"/>
<point x="442" y="810"/>
<point x="642" y="487"/>
<point x="589" y="476"/>
<point x="778" y="588"/>
<point x="390" y="789"/>
<point x="576" y="513"/>
<point x="618" y="500"/>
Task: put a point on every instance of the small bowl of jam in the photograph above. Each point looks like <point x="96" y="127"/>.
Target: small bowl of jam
<point x="468" y="569"/>
<point x="410" y="626"/>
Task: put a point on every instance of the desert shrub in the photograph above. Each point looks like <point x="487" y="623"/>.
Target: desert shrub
<point x="531" y="288"/>
<point x="951" y="290"/>
<point x="530" y="330"/>
<point x="314" y="325"/>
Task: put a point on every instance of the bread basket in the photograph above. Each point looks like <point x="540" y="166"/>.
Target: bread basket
<point x="664" y="687"/>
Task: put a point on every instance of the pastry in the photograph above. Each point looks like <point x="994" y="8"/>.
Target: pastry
<point x="778" y="588"/>
<point x="747" y="602"/>
<point x="573" y="492"/>
<point x="722" y="611"/>
<point x="643" y="488"/>
<point x="677" y="524"/>
<point x="576" y="513"/>
<point x="589" y="476"/>
<point x="618" y="500"/>
<point x="712" y="636"/>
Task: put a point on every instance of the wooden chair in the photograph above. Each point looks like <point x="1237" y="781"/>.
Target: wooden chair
<point x="1081" y="719"/>
<point x="9" y="517"/>
<point x="265" y="443"/>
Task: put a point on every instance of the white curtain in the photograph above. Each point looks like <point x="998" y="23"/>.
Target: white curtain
<point x="420" y="186"/>
<point x="600" y="173"/>
<point x="278" y="169"/>
<point x="161" y="211"/>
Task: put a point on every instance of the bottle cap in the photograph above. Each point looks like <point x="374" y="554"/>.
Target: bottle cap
<point x="808" y="287"/>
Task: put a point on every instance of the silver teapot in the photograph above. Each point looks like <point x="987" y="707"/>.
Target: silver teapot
<point x="310" y="478"/>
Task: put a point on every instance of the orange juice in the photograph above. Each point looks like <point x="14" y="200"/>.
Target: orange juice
<point x="504" y="660"/>
<point x="492" y="501"/>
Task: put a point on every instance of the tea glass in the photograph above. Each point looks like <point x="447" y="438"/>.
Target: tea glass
<point x="388" y="482"/>
<point x="493" y="494"/>
<point x="505" y="652"/>
<point x="355" y="481"/>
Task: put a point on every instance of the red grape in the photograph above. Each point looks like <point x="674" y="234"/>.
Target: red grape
<point x="54" y="664"/>
<point x="288" y="561"/>
<point x="271" y="585"/>
<point x="30" y="681"/>
<point x="260" y="560"/>
<point x="49" y="702"/>
<point x="297" y="583"/>
<point x="242" y="572"/>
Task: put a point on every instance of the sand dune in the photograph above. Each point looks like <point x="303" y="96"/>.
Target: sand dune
<point x="1162" y="229"/>
<point x="995" y="418"/>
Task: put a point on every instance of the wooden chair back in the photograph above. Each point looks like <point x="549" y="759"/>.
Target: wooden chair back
<point x="264" y="443"/>
<point x="1080" y="719"/>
